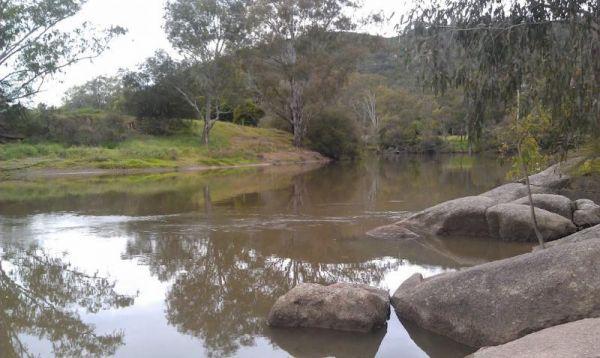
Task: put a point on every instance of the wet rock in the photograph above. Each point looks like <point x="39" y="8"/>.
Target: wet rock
<point x="394" y="231"/>
<point x="513" y="191"/>
<point x="575" y="339"/>
<point x="341" y="306"/>
<point x="512" y="222"/>
<point x="501" y="301"/>
<point x="587" y="213"/>
<point x="557" y="204"/>
<point x="464" y="216"/>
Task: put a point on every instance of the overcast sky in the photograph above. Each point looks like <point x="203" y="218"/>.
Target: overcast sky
<point x="144" y="20"/>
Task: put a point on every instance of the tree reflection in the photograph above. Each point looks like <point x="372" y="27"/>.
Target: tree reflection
<point x="42" y="296"/>
<point x="224" y="285"/>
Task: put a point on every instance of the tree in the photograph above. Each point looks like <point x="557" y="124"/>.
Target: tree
<point x="33" y="47"/>
<point x="302" y="57"/>
<point x="207" y="33"/>
<point x="551" y="49"/>
<point x="493" y="49"/>
<point x="99" y="93"/>
<point x="149" y="92"/>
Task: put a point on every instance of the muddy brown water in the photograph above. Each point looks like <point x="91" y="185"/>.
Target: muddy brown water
<point x="189" y="264"/>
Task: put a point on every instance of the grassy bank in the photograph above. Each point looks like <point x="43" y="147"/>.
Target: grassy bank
<point x="230" y="145"/>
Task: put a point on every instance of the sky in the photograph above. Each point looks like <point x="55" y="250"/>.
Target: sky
<point x="144" y="20"/>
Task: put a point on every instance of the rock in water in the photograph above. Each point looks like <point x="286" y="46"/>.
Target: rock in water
<point x="393" y="231"/>
<point x="501" y="301"/>
<point x="512" y="222"/>
<point x="587" y="213"/>
<point x="571" y="340"/>
<point x="341" y="306"/>
<point x="513" y="191"/>
<point x="557" y="204"/>
<point x="464" y="216"/>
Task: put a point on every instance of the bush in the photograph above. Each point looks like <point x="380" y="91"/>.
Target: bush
<point x="93" y="130"/>
<point x="335" y="135"/>
<point x="162" y="126"/>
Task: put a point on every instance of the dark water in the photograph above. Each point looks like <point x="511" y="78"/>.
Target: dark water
<point x="198" y="259"/>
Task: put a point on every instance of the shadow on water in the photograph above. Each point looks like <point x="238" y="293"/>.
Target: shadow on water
<point x="227" y="244"/>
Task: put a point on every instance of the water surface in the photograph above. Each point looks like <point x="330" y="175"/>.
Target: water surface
<point x="197" y="259"/>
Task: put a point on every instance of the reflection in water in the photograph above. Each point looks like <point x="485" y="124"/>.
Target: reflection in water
<point x="38" y="296"/>
<point x="209" y="254"/>
<point x="311" y="343"/>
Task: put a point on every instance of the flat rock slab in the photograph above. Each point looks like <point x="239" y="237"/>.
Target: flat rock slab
<point x="501" y="301"/>
<point x="341" y="306"/>
<point x="572" y="340"/>
<point x="393" y="231"/>
<point x="512" y="222"/>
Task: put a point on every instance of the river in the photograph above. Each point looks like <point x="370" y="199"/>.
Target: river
<point x="189" y="264"/>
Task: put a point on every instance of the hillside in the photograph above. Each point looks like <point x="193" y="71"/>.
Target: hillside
<point x="231" y="145"/>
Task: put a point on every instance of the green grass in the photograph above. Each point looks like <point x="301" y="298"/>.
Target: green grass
<point x="230" y="144"/>
<point x="456" y="144"/>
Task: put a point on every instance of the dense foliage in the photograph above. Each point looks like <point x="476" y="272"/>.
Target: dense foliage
<point x="335" y="135"/>
<point x="550" y="50"/>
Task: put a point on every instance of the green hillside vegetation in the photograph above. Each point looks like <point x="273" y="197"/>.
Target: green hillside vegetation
<point x="230" y="145"/>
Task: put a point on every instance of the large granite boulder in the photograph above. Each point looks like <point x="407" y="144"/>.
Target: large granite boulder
<point x="341" y="306"/>
<point x="512" y="222"/>
<point x="557" y="204"/>
<point x="501" y="301"/>
<point x="571" y="340"/>
<point x="513" y="191"/>
<point x="583" y="235"/>
<point x="587" y="213"/>
<point x="464" y="217"/>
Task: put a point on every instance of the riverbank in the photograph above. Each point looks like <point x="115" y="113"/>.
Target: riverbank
<point x="231" y="146"/>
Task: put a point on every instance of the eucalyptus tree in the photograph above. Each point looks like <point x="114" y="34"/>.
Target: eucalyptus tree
<point x="207" y="33"/>
<point x="33" y="45"/>
<point x="299" y="63"/>
<point x="495" y="50"/>
<point x="101" y="93"/>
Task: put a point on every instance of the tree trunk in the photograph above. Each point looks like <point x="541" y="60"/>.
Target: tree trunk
<point x="296" y="113"/>
<point x="207" y="121"/>
<point x="536" y="228"/>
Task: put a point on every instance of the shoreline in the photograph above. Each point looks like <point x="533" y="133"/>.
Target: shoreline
<point x="23" y="174"/>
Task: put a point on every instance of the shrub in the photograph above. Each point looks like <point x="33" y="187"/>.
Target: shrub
<point x="334" y="134"/>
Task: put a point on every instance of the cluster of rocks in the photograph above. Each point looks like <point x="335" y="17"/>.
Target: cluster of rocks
<point x="543" y="303"/>
<point x="514" y="304"/>
<point x="503" y="213"/>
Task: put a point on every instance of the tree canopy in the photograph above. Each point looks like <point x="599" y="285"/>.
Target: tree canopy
<point x="33" y="45"/>
<point x="493" y="49"/>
